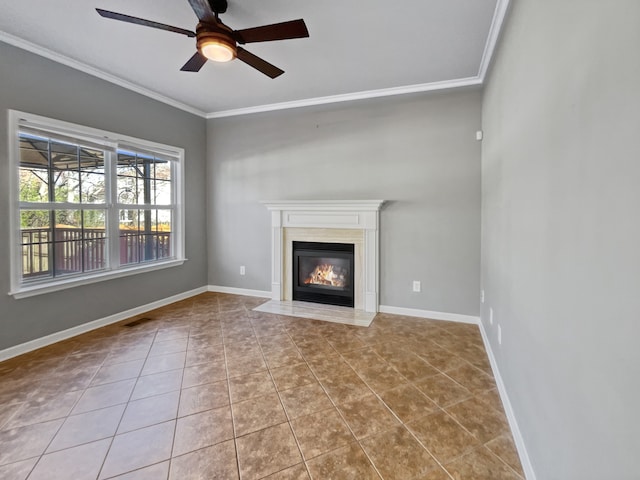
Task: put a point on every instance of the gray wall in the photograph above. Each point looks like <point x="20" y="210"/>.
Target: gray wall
<point x="33" y="84"/>
<point x="418" y="151"/>
<point x="561" y="232"/>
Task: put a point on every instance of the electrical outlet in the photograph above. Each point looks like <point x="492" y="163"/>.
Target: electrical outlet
<point x="490" y="316"/>
<point x="416" y="286"/>
<point x="481" y="296"/>
<point x="499" y="335"/>
<point x="242" y="270"/>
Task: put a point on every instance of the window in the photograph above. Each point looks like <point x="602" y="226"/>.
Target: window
<point x="90" y="205"/>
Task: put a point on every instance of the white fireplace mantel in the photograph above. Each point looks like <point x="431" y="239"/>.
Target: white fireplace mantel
<point x="328" y="214"/>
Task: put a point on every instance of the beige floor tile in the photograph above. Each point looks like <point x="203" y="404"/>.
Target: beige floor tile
<point x="203" y="397"/>
<point x="505" y="448"/>
<point x="257" y="413"/>
<point x="163" y="363"/>
<point x="472" y="378"/>
<point x="102" y="396"/>
<point x="297" y="472"/>
<point x="282" y="373"/>
<point x="117" y="372"/>
<point x="79" y="463"/>
<point x="157" y="384"/>
<point x="321" y="432"/>
<point x="150" y="411"/>
<point x="305" y="400"/>
<point x="250" y="386"/>
<point x="267" y="451"/>
<point x="382" y="377"/>
<point x="204" y="373"/>
<point x="87" y="427"/>
<point x="408" y="403"/>
<point x="397" y="455"/>
<point x="18" y="470"/>
<point x="348" y="462"/>
<point x="443" y="436"/>
<point x="43" y="409"/>
<point x="345" y="388"/>
<point x="159" y="471"/>
<point x="216" y="461"/>
<point x="485" y="423"/>
<point x="202" y="430"/>
<point x="293" y="376"/>
<point x="480" y="465"/>
<point x="442" y="390"/>
<point x="169" y="346"/>
<point x="137" y="449"/>
<point x="26" y="442"/>
<point x="367" y="416"/>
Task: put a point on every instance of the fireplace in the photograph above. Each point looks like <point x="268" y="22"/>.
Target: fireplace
<point x="331" y="221"/>
<point x="323" y="273"/>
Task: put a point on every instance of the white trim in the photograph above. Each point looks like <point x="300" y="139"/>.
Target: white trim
<point x="87" y="327"/>
<point x="21" y="289"/>
<point x="83" y="67"/>
<point x="25" y="291"/>
<point x="239" y="291"/>
<point x="506" y="403"/>
<point x="492" y="39"/>
<point x="349" y="97"/>
<point x="414" y="312"/>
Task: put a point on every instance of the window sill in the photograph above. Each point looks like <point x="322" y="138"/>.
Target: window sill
<point x="25" y="291"/>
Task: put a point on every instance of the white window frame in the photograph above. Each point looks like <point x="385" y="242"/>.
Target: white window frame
<point x="111" y="140"/>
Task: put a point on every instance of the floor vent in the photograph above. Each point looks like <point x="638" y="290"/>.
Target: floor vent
<point x="138" y="321"/>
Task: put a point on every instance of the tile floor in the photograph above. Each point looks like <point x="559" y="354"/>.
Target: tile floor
<point x="209" y="389"/>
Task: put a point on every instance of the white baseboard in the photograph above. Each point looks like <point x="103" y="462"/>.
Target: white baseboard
<point x="413" y="312"/>
<point x="508" y="409"/>
<point x="87" y="327"/>
<point x="240" y="291"/>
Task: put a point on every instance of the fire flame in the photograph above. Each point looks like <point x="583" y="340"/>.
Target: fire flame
<point x="324" y="275"/>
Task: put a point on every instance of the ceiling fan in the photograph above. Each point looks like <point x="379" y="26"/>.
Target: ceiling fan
<point x="216" y="41"/>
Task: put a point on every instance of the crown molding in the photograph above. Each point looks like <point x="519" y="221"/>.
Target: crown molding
<point x="96" y="72"/>
<point x="499" y="14"/>
<point x="489" y="48"/>
<point x="349" y="97"/>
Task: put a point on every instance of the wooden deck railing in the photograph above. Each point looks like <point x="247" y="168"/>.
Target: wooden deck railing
<point x="71" y="250"/>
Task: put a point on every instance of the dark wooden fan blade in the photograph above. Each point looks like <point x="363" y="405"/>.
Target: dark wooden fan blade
<point x="269" y="33"/>
<point x="258" y="63"/>
<point x="195" y="63"/>
<point x="203" y="11"/>
<point x="141" y="21"/>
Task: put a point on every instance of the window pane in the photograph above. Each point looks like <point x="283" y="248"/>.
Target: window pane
<point x="68" y="255"/>
<point x="126" y="165"/>
<point x="94" y="254"/>
<point x="127" y="190"/>
<point x="34" y="185"/>
<point x="163" y="170"/>
<point x="91" y="160"/>
<point x="34" y="151"/>
<point x="162" y="193"/>
<point x="93" y="187"/>
<point x="64" y="156"/>
<point x="35" y="240"/>
<point x="94" y="223"/>
<point x="66" y="186"/>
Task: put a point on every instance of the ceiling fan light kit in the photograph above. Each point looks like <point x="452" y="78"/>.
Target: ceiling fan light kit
<point x="216" y="46"/>
<point x="217" y="42"/>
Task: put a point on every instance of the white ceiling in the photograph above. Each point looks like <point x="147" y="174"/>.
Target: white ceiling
<point x="356" y="49"/>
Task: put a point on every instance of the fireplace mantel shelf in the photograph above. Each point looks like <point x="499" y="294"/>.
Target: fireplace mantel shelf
<point x="342" y="215"/>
